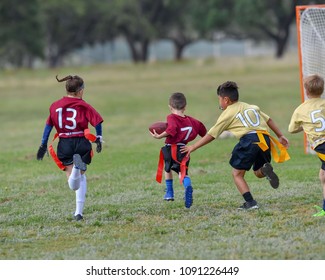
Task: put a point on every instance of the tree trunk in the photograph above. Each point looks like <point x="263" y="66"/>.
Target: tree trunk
<point x="179" y="47"/>
<point x="144" y="50"/>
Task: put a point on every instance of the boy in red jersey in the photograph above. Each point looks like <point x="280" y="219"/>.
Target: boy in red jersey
<point x="181" y="129"/>
<point x="70" y="116"/>
<point x="250" y="125"/>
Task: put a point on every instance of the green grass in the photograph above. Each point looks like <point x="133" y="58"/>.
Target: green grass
<point x="125" y="215"/>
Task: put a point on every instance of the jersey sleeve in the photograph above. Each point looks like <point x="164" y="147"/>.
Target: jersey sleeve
<point x="219" y="127"/>
<point x="265" y="116"/>
<point x="93" y="116"/>
<point x="171" y="126"/>
<point x="49" y="121"/>
<point x="294" y="125"/>
<point x="202" y="129"/>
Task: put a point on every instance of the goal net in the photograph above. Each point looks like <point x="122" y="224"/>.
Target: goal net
<point x="311" y="46"/>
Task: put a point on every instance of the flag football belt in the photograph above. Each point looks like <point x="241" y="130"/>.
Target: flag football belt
<point x="182" y="164"/>
<point x="283" y="154"/>
<point x="321" y="156"/>
<point x="313" y="146"/>
<point x="88" y="136"/>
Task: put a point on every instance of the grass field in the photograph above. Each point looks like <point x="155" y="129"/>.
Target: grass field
<point x="125" y="215"/>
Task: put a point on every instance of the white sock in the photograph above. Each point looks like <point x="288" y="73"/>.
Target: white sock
<point x="74" y="179"/>
<point x="81" y="195"/>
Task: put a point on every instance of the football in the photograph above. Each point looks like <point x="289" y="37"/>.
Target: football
<point x="159" y="127"/>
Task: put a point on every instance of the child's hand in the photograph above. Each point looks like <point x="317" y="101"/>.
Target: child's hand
<point x="284" y="141"/>
<point x="158" y="136"/>
<point x="187" y="150"/>
<point x="155" y="134"/>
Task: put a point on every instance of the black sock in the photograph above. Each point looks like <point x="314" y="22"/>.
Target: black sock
<point x="248" y="196"/>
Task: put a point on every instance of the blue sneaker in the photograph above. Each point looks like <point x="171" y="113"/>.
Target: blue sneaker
<point x="169" y="195"/>
<point x="188" y="196"/>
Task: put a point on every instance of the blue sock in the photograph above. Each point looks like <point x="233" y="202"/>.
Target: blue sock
<point x="169" y="184"/>
<point x="324" y="204"/>
<point x="187" y="182"/>
<point x="169" y="194"/>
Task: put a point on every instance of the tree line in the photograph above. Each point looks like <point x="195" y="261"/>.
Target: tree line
<point x="52" y="29"/>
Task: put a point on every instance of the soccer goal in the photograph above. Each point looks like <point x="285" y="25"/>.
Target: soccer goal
<point x="310" y="22"/>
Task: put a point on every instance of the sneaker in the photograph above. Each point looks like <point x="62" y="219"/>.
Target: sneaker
<point x="78" y="217"/>
<point x="78" y="163"/>
<point x="320" y="213"/>
<point x="169" y="194"/>
<point x="169" y="197"/>
<point x="188" y="196"/>
<point x="267" y="170"/>
<point x="248" y="205"/>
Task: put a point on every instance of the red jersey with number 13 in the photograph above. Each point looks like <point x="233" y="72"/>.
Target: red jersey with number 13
<point x="183" y="129"/>
<point x="70" y="116"/>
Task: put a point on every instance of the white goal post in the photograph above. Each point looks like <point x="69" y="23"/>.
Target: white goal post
<point x="310" y="21"/>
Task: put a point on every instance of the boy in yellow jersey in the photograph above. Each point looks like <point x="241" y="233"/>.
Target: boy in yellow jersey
<point x="249" y="124"/>
<point x="310" y="118"/>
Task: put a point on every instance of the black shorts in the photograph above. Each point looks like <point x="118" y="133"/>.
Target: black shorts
<point x="247" y="153"/>
<point x="170" y="164"/>
<point x="67" y="147"/>
<point x="321" y="149"/>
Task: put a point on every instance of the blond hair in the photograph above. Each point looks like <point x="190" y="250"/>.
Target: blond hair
<point x="314" y="85"/>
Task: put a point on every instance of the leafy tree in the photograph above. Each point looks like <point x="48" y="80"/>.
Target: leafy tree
<point x="21" y="39"/>
<point x="135" y="20"/>
<point x="177" y="24"/>
<point x="213" y="16"/>
<point x="261" y="19"/>
<point x="189" y="20"/>
<point x="70" y="24"/>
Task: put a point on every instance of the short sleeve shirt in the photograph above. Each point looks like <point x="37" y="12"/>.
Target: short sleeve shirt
<point x="183" y="129"/>
<point x="310" y="115"/>
<point x="240" y="118"/>
<point x="70" y="116"/>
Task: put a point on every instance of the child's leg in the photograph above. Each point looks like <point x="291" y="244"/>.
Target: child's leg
<point x="169" y="195"/>
<point x="74" y="178"/>
<point x="242" y="186"/>
<point x="81" y="197"/>
<point x="188" y="192"/>
<point x="238" y="176"/>
<point x="74" y="172"/>
<point x="322" y="180"/>
<point x="267" y="171"/>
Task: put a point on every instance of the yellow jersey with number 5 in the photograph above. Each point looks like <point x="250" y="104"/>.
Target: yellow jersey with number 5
<point x="240" y="118"/>
<point x="310" y="116"/>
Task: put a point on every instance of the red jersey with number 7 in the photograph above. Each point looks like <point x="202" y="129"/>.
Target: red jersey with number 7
<point x="71" y="116"/>
<point x="182" y="130"/>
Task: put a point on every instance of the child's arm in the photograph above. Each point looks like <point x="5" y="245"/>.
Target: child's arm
<point x="203" y="141"/>
<point x="158" y="136"/>
<point x="283" y="140"/>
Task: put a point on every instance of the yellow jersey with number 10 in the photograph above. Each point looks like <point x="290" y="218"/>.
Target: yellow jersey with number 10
<point x="240" y="118"/>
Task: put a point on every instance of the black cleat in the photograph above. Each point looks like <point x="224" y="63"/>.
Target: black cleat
<point x="249" y="205"/>
<point x="78" y="163"/>
<point x="267" y="170"/>
<point x="78" y="217"/>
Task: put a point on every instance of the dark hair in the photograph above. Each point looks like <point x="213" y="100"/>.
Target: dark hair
<point x="177" y="100"/>
<point x="229" y="89"/>
<point x="73" y="83"/>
